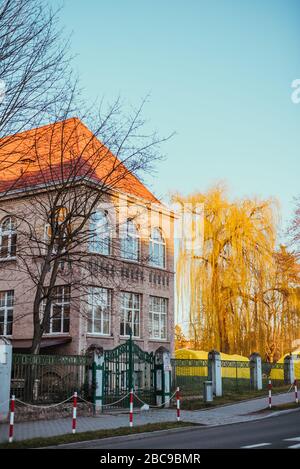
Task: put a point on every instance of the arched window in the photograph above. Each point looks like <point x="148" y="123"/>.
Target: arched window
<point x="8" y="238"/>
<point x="130" y="241"/>
<point x="157" y="249"/>
<point x="57" y="226"/>
<point x="100" y="230"/>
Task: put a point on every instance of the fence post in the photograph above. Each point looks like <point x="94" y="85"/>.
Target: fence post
<point x="296" y="391"/>
<point x="131" y="408"/>
<point x="5" y="376"/>
<point x="270" y="393"/>
<point x="98" y="379"/>
<point x="215" y="371"/>
<point x="178" y="404"/>
<point x="162" y="370"/>
<point x="255" y="371"/>
<point x="11" y="420"/>
<point x="74" y="416"/>
<point x="289" y="372"/>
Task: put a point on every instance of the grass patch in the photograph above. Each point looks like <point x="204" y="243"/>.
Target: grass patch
<point x="278" y="407"/>
<point x="93" y="435"/>
<point x="288" y="405"/>
<point x="228" y="398"/>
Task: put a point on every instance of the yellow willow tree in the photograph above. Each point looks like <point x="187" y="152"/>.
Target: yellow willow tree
<point x="231" y="291"/>
<point x="283" y="301"/>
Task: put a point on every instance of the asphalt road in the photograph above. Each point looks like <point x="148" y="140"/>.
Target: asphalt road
<point x="282" y="431"/>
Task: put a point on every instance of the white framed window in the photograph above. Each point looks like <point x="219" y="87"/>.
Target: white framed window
<point x="99" y="315"/>
<point x="56" y="242"/>
<point x="100" y="230"/>
<point x="157" y="249"/>
<point x="59" y="320"/>
<point x="6" y="312"/>
<point x="8" y="238"/>
<point x="130" y="241"/>
<point x="59" y="235"/>
<point x="158" y="308"/>
<point x="130" y="314"/>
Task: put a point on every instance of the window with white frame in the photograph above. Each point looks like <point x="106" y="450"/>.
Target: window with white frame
<point x="8" y="238"/>
<point x="100" y="230"/>
<point x="99" y="315"/>
<point x="157" y="249"/>
<point x="130" y="314"/>
<point x="130" y="241"/>
<point x="59" y="320"/>
<point x="60" y="234"/>
<point x="158" y="308"/>
<point x="6" y="312"/>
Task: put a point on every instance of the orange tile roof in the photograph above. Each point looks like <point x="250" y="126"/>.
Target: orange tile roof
<point x="56" y="152"/>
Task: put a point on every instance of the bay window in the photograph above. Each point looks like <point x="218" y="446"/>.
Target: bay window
<point x="100" y="230"/>
<point x="157" y="249"/>
<point x="130" y="241"/>
<point x="130" y="314"/>
<point x="59" y="320"/>
<point x="99" y="304"/>
<point x="6" y="312"/>
<point x="8" y="238"/>
<point x="158" y="317"/>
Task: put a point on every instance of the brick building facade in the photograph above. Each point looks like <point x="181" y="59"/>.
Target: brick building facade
<point x="130" y="285"/>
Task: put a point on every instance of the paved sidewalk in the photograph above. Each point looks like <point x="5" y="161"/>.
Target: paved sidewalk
<point x="232" y="413"/>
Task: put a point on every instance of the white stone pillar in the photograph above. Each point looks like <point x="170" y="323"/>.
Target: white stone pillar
<point x="289" y="369"/>
<point x="5" y="376"/>
<point x="98" y="379"/>
<point x="163" y="372"/>
<point x="255" y="371"/>
<point x="215" y="372"/>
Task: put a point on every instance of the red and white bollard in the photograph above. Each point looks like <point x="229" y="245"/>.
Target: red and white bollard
<point x="178" y="404"/>
<point x="131" y="408"/>
<point x="74" y="412"/>
<point x="296" y="391"/>
<point x="270" y="393"/>
<point x="11" y="419"/>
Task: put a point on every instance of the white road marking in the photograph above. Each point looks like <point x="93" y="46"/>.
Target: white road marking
<point x="256" y="446"/>
<point x="296" y="438"/>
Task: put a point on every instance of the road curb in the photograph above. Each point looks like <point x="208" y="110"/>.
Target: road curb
<point x="234" y="403"/>
<point x="273" y="414"/>
<point x="134" y="436"/>
<point x="144" y="435"/>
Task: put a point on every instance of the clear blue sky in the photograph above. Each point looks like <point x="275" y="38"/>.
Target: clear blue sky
<point x="219" y="73"/>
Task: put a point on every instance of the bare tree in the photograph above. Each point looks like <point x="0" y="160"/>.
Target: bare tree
<point x="35" y="73"/>
<point x="69" y="173"/>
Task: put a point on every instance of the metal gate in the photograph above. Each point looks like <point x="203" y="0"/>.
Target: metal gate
<point x="128" y="367"/>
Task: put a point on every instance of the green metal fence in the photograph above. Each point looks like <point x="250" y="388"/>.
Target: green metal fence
<point x="277" y="372"/>
<point x="49" y="378"/>
<point x="236" y="376"/>
<point x="53" y="378"/>
<point x="189" y="375"/>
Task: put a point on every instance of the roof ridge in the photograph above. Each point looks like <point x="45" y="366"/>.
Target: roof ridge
<point x="75" y="118"/>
